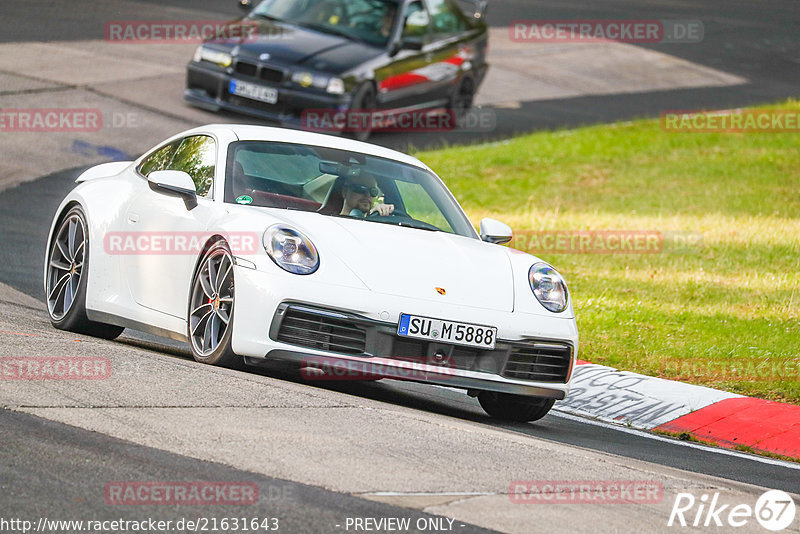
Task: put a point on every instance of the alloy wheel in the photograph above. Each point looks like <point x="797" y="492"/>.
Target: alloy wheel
<point x="65" y="266"/>
<point x="211" y="304"/>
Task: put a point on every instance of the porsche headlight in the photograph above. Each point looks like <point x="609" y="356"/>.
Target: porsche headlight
<point x="223" y="59"/>
<point x="548" y="287"/>
<point x="290" y="250"/>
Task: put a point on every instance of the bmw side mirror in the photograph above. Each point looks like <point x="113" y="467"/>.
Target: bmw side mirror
<point x="406" y="44"/>
<point x="411" y="44"/>
<point x="479" y="9"/>
<point x="245" y="5"/>
<point x="494" y="231"/>
<point x="177" y="183"/>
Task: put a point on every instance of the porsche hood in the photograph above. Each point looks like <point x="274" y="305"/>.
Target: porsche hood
<point x="419" y="264"/>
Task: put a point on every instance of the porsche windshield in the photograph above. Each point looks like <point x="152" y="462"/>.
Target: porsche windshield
<point x="370" y="21"/>
<point x="340" y="183"/>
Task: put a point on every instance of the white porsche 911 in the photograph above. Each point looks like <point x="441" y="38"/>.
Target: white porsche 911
<point x="255" y="243"/>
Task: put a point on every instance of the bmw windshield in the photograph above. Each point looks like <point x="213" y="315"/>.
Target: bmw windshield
<point x="369" y="21"/>
<point x="340" y="183"/>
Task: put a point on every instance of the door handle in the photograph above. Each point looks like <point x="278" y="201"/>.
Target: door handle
<point x="133" y="218"/>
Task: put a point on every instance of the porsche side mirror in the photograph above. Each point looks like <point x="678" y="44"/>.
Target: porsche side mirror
<point x="245" y="5"/>
<point x="176" y="183"/>
<point x="494" y="231"/>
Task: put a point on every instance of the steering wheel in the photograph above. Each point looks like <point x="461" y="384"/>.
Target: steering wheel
<point x="395" y="213"/>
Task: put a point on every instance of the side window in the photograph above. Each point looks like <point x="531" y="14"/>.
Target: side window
<point x="416" y="22"/>
<point x="158" y="160"/>
<point x="196" y="156"/>
<point x="446" y="17"/>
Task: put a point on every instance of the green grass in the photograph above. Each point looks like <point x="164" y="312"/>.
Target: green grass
<point x="723" y="313"/>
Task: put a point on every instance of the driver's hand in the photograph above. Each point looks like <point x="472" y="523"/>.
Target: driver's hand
<point x="383" y="209"/>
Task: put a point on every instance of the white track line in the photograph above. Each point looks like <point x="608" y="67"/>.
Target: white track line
<point x="650" y="435"/>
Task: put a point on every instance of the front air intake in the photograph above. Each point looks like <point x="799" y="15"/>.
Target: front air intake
<point x="306" y="328"/>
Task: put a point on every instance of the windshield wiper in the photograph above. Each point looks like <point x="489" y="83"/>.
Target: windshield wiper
<point x="405" y="224"/>
<point x="418" y="227"/>
<point x="267" y="17"/>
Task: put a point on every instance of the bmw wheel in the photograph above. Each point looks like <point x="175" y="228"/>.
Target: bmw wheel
<point x="364" y="103"/>
<point x="463" y="97"/>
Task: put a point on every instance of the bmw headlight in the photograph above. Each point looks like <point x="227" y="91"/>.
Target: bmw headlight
<point x="304" y="78"/>
<point x="335" y="86"/>
<point x="548" y="287"/>
<point x="290" y="250"/>
<point x="223" y="59"/>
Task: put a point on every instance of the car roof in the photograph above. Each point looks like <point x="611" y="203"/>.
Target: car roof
<point x="246" y="132"/>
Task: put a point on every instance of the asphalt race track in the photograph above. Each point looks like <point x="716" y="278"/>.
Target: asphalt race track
<point x="741" y="39"/>
<point x="66" y="487"/>
<point x="323" y="453"/>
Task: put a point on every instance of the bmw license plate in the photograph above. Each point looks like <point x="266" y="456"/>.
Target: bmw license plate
<point x="253" y="91"/>
<point x="471" y="335"/>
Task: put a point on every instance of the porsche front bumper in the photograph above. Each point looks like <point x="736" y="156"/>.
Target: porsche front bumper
<point x="303" y="321"/>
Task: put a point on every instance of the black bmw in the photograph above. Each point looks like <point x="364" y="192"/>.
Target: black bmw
<point x="343" y="55"/>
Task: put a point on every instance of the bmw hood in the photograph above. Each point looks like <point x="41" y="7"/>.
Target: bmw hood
<point x="288" y="45"/>
<point x="413" y="263"/>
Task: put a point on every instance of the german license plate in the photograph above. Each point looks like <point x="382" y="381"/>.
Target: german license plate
<point x="471" y="335"/>
<point x="253" y="91"/>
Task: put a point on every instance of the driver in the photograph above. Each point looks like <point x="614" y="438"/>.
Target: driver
<point x="359" y="194"/>
<point x="387" y="21"/>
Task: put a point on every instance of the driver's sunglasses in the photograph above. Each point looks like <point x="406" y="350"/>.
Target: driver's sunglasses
<point x="364" y="190"/>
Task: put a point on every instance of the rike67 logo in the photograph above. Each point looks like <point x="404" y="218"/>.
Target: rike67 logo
<point x="774" y="510"/>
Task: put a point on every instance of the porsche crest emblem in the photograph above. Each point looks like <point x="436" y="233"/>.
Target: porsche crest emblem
<point x="441" y="291"/>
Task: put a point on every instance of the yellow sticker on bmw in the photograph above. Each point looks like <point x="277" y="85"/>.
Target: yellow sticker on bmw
<point x="471" y="335"/>
<point x="253" y="91"/>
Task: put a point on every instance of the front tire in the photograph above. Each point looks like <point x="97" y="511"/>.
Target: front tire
<point x="363" y="102"/>
<point x="210" y="325"/>
<point x="514" y="407"/>
<point x="65" y="282"/>
<point x="463" y="97"/>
